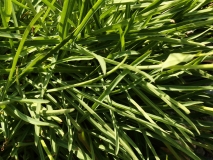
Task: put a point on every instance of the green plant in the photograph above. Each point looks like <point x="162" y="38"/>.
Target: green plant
<point x="98" y="79"/>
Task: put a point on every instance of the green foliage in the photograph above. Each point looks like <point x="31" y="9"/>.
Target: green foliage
<point x="104" y="79"/>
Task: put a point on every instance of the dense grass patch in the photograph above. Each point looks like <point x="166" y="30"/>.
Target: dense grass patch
<point x="101" y="79"/>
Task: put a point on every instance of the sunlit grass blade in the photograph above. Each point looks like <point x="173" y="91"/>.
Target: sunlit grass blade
<point x="11" y="110"/>
<point x="21" y="45"/>
<point x="106" y="79"/>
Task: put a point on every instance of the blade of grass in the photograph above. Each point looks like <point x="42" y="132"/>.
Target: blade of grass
<point x="21" y="45"/>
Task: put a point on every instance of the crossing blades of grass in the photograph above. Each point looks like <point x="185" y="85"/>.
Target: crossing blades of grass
<point x="101" y="79"/>
<point x="21" y="45"/>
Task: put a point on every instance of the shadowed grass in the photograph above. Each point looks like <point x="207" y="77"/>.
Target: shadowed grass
<point x="106" y="79"/>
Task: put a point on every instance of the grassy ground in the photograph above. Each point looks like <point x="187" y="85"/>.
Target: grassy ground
<point x="104" y="79"/>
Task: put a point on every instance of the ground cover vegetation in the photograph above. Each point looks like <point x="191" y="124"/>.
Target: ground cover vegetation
<point x="104" y="79"/>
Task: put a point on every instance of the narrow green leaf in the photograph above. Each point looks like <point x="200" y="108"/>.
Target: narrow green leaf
<point x="20" y="4"/>
<point x="151" y="146"/>
<point x="56" y="112"/>
<point x="21" y="45"/>
<point x="99" y="58"/>
<point x="11" y="110"/>
<point x="46" y="150"/>
<point x="65" y="13"/>
<point x="22" y="100"/>
<point x="7" y="9"/>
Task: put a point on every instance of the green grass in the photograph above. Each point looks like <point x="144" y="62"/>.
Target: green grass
<point x="104" y="79"/>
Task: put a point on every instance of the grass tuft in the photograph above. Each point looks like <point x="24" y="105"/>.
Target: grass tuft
<point x="106" y="79"/>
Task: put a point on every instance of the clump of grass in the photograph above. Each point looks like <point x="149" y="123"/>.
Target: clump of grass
<point x="106" y="79"/>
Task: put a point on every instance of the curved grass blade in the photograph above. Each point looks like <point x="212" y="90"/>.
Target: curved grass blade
<point x="21" y="45"/>
<point x="11" y="110"/>
<point x="99" y="58"/>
